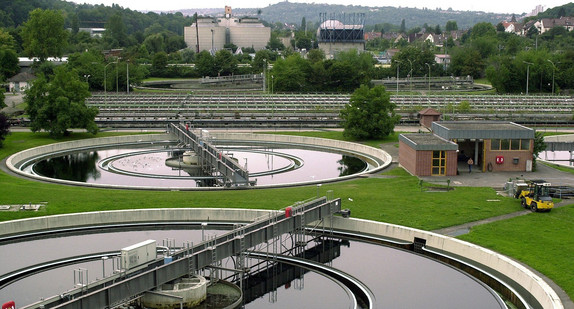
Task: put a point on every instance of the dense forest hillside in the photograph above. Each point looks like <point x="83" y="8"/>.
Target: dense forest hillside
<point x="13" y="13"/>
<point x="294" y="12"/>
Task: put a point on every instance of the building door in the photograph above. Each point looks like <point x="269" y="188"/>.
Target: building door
<point x="438" y="163"/>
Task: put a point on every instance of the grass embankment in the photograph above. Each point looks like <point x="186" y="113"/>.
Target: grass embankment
<point x="397" y="199"/>
<point x="542" y="240"/>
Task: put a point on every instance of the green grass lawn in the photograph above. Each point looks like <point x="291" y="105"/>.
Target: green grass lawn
<point x="542" y="240"/>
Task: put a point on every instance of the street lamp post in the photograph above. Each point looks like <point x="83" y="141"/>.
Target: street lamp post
<point x="212" y="42"/>
<point x="87" y="76"/>
<point x="553" y="68"/>
<point x="428" y="65"/>
<point x="411" y="75"/>
<point x="117" y="78"/>
<point x="398" y="66"/>
<point x="528" y="64"/>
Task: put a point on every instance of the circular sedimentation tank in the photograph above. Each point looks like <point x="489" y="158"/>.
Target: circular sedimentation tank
<point x="378" y="267"/>
<point x="457" y="253"/>
<point x="157" y="162"/>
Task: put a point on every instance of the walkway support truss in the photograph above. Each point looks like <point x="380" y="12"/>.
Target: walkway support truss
<point x="231" y="171"/>
<point x="105" y="294"/>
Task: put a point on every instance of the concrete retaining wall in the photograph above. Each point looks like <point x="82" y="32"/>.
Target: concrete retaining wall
<point x="31" y="225"/>
<point x="540" y="290"/>
<point x="380" y="158"/>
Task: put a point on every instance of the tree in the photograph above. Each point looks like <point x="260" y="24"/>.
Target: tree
<point x="204" y="64"/>
<point x="274" y="42"/>
<point x="482" y="29"/>
<point x="437" y="30"/>
<point x="370" y="114"/>
<point x="403" y="27"/>
<point x="2" y="98"/>
<point x="4" y="128"/>
<point x="154" y="43"/>
<point x="451" y="26"/>
<point x="9" y="61"/>
<point x="539" y="146"/>
<point x="7" y="40"/>
<point x="44" y="34"/>
<point x="467" y="61"/>
<point x="116" y="33"/>
<point x="159" y="64"/>
<point x="290" y="74"/>
<point x="413" y="58"/>
<point x="225" y="63"/>
<point x="57" y="103"/>
<point x="316" y="55"/>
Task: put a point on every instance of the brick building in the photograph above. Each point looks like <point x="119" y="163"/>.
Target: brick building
<point x="494" y="146"/>
<point x="427" y="116"/>
<point x="426" y="154"/>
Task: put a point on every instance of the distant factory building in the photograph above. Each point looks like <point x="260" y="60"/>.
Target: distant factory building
<point x="335" y="36"/>
<point x="215" y="32"/>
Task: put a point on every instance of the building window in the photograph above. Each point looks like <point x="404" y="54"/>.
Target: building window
<point x="510" y="144"/>
<point x="495" y="144"/>
<point x="438" y="163"/>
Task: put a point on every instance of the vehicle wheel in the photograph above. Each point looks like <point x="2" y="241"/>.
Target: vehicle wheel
<point x="533" y="207"/>
<point x="523" y="203"/>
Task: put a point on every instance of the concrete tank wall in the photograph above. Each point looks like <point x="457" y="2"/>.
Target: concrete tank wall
<point x="539" y="289"/>
<point x="380" y="159"/>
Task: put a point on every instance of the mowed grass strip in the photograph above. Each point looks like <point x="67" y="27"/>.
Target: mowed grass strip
<point x="394" y="198"/>
<point x="543" y="241"/>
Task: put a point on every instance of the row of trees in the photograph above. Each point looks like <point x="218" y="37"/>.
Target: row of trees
<point x="481" y="52"/>
<point x="505" y="59"/>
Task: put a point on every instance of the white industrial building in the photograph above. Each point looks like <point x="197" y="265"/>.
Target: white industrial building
<point x="214" y="33"/>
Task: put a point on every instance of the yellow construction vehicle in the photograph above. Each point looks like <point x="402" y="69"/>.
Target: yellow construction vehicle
<point x="534" y="195"/>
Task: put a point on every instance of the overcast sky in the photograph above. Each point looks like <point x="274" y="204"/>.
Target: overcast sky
<point x="518" y="7"/>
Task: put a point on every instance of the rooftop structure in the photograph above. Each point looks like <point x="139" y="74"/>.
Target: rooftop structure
<point x="335" y="35"/>
<point x="212" y="34"/>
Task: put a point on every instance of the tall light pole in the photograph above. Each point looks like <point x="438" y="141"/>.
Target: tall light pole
<point x="428" y="65"/>
<point x="212" y="52"/>
<point x="398" y="66"/>
<point x="117" y="78"/>
<point x="264" y="74"/>
<point x="528" y="64"/>
<point x="106" y="81"/>
<point x="87" y="76"/>
<point x="553" y="68"/>
<point x="411" y="75"/>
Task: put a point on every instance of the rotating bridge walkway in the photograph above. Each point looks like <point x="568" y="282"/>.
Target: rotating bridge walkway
<point x="127" y="285"/>
<point x="210" y="157"/>
<point x="559" y="146"/>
